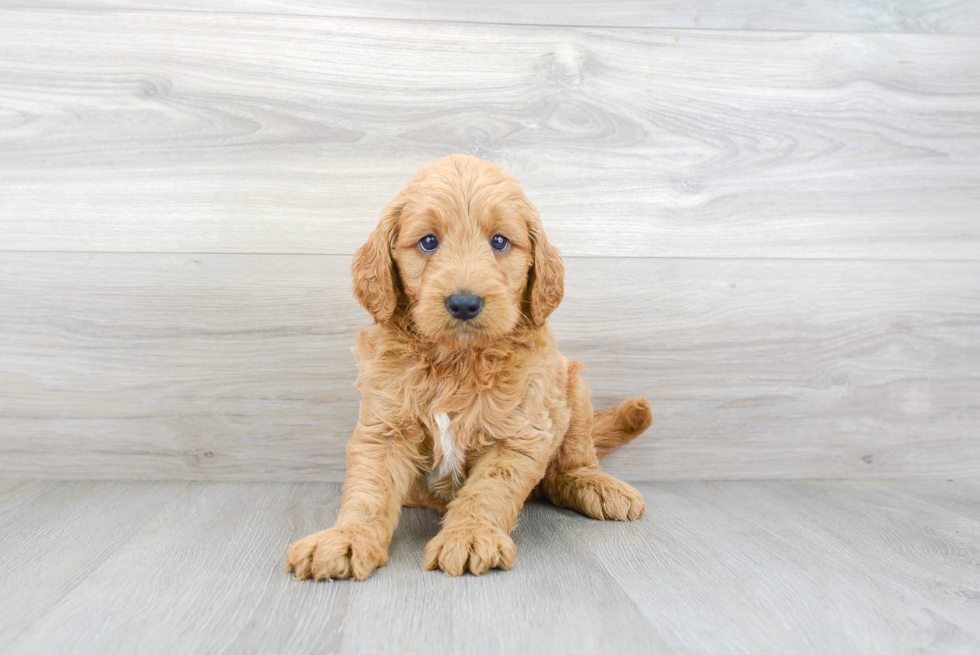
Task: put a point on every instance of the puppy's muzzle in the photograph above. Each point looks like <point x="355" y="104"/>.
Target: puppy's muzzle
<point x="464" y="306"/>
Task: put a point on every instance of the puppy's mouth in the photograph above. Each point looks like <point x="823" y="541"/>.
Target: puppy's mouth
<point x="463" y="318"/>
<point x="459" y="334"/>
<point x="466" y="330"/>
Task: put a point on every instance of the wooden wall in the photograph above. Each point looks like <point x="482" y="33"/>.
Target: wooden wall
<point x="770" y="217"/>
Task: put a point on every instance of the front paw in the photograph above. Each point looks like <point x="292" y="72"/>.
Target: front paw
<point x="477" y="550"/>
<point x="337" y="553"/>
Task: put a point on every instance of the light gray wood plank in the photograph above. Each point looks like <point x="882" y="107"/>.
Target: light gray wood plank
<point x="198" y="132"/>
<point x="8" y="485"/>
<point x="197" y="366"/>
<point x="962" y="497"/>
<point x="911" y="549"/>
<point x="206" y="576"/>
<point x="53" y="535"/>
<point x="544" y="608"/>
<point x="212" y="558"/>
<point x="797" y="567"/>
<point x="945" y="16"/>
<point x="239" y="367"/>
<point x="738" y="567"/>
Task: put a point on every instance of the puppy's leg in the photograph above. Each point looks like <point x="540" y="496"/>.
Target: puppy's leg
<point x="475" y="536"/>
<point x="380" y="469"/>
<point x="574" y="480"/>
<point x="420" y="496"/>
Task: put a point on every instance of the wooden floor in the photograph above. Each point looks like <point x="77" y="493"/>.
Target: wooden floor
<point x="715" y="567"/>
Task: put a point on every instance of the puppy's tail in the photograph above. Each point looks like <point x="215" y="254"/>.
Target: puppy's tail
<point x="616" y="426"/>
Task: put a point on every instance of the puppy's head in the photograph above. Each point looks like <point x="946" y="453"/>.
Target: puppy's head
<point x="462" y="253"/>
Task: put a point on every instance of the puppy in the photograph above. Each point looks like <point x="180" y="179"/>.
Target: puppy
<point x="467" y="406"/>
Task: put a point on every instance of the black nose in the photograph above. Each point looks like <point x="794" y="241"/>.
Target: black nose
<point x="464" y="306"/>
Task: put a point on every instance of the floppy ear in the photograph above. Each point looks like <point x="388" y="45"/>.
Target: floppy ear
<point x="373" y="270"/>
<point x="546" y="279"/>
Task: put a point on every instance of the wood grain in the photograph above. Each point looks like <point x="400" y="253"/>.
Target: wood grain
<point x="238" y="366"/>
<point x="848" y="567"/>
<point x="961" y="498"/>
<point x="213" y="560"/>
<point x="200" y="132"/>
<point x="943" y="16"/>
<point x="544" y="609"/>
<point x="8" y="485"/>
<point x="54" y="535"/>
<point x="818" y="567"/>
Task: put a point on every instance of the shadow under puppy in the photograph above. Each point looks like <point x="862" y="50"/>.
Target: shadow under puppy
<point x="466" y="403"/>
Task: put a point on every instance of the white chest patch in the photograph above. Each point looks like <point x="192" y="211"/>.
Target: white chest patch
<point x="452" y="459"/>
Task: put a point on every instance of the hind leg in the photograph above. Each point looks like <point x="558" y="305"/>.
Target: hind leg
<point x="574" y="479"/>
<point x="420" y="496"/>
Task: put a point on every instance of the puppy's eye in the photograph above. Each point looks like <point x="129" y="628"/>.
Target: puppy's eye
<point x="499" y="243"/>
<point x="428" y="243"/>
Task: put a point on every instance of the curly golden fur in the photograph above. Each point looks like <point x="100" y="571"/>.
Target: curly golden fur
<point x="468" y="416"/>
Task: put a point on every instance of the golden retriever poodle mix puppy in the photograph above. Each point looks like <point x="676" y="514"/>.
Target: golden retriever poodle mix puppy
<point x="467" y="406"/>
